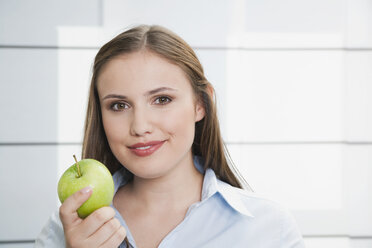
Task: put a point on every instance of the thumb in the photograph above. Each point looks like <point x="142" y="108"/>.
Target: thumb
<point x="68" y="210"/>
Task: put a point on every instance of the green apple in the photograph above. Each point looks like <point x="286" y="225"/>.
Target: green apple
<point x="87" y="172"/>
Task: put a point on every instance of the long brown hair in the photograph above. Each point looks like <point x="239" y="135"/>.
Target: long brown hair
<point x="208" y="142"/>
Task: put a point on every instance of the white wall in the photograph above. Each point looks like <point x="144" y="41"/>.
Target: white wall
<point x="293" y="82"/>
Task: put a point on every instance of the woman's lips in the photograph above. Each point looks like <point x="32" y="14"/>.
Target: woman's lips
<point x="146" y="149"/>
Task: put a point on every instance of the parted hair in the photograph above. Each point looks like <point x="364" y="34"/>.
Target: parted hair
<point x="208" y="142"/>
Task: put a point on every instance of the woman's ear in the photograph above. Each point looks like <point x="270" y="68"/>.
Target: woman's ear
<point x="200" y="108"/>
<point x="199" y="111"/>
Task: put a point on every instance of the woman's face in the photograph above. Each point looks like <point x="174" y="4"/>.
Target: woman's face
<point x="149" y="112"/>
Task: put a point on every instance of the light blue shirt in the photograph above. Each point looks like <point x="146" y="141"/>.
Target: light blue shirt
<point x="225" y="217"/>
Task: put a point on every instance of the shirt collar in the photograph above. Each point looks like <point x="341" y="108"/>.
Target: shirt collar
<point x="211" y="185"/>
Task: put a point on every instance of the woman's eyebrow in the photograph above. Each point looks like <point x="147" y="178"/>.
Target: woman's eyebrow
<point x="160" y="89"/>
<point x="149" y="93"/>
<point x="114" y="96"/>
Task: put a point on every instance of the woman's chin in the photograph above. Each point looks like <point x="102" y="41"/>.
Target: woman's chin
<point x="149" y="175"/>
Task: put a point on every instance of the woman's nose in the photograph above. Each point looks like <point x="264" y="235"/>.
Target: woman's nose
<point x="141" y="123"/>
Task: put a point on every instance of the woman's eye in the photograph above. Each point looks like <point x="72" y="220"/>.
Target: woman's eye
<point x="118" y="106"/>
<point x="162" y="100"/>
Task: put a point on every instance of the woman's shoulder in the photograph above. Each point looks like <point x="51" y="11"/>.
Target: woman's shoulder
<point x="265" y="212"/>
<point x="256" y="204"/>
<point x="245" y="201"/>
<point x="269" y="218"/>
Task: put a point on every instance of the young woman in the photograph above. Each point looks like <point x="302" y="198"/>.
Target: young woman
<point x="152" y="120"/>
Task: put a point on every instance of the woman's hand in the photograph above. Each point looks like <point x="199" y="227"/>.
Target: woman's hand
<point x="99" y="229"/>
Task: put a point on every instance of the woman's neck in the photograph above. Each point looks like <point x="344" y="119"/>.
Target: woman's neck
<point x="177" y="189"/>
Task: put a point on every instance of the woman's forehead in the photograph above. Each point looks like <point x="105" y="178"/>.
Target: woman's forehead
<point x="141" y="71"/>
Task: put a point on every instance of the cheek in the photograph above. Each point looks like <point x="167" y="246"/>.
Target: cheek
<point x="112" y="128"/>
<point x="180" y="124"/>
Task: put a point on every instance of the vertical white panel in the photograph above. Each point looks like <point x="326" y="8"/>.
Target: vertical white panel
<point x="74" y="74"/>
<point x="291" y="16"/>
<point x="286" y="24"/>
<point x="358" y="96"/>
<point x="284" y="95"/>
<point x="84" y="37"/>
<point x="34" y="23"/>
<point x="327" y="242"/>
<point x="361" y="242"/>
<point x="358" y="189"/>
<point x="320" y="223"/>
<point x="359" y="24"/>
<point x="28" y="95"/>
<point x="28" y="179"/>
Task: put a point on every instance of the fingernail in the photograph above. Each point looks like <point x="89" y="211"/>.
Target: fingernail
<point x="86" y="190"/>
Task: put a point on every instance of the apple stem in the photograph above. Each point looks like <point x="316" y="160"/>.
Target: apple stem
<point x="77" y="166"/>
